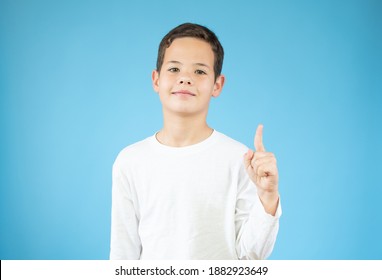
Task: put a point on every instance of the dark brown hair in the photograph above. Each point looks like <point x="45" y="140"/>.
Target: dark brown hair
<point x="194" y="31"/>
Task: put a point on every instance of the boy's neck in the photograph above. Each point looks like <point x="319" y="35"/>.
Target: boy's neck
<point x="183" y="131"/>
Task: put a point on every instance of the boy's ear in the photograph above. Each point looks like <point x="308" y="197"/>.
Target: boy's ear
<point x="219" y="83"/>
<point x="155" y="80"/>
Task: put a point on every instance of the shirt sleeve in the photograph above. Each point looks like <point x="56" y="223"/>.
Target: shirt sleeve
<point x="256" y="230"/>
<point x="125" y="242"/>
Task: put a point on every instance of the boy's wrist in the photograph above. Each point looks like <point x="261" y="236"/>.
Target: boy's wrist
<point x="270" y="201"/>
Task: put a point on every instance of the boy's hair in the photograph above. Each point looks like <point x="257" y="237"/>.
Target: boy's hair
<point x="194" y="31"/>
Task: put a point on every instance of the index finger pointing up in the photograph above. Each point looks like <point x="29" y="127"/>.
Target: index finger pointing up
<point x="259" y="139"/>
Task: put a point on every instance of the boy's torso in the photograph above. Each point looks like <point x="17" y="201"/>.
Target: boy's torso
<point x="185" y="197"/>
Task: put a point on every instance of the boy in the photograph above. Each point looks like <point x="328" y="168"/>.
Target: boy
<point x="187" y="192"/>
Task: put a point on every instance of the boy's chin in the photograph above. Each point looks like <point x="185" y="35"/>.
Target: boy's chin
<point x="186" y="112"/>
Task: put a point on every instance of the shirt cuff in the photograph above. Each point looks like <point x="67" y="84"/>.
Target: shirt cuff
<point x="259" y="208"/>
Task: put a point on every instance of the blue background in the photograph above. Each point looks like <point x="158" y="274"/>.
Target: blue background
<point x="75" y="88"/>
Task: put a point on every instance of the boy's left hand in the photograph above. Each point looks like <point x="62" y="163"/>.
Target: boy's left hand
<point x="261" y="167"/>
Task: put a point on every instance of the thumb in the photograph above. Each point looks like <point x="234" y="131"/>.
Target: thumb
<point x="247" y="159"/>
<point x="259" y="146"/>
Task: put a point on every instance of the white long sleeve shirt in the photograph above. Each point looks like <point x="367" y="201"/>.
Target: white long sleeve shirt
<point x="194" y="202"/>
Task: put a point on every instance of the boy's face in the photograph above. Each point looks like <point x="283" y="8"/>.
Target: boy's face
<point x="186" y="81"/>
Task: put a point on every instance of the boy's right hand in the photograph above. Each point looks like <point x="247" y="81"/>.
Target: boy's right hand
<point x="262" y="169"/>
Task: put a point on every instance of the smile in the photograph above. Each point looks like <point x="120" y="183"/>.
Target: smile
<point x="183" y="93"/>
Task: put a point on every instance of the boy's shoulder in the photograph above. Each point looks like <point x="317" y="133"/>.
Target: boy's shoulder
<point x="135" y="151"/>
<point x="232" y="144"/>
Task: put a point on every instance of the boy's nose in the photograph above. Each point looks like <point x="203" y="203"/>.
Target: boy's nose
<point x="185" y="81"/>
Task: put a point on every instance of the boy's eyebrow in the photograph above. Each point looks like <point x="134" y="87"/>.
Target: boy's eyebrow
<point x="202" y="64"/>
<point x="178" y="62"/>
<point x="173" y="61"/>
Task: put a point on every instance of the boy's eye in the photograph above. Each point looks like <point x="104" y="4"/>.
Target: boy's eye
<point x="173" y="69"/>
<point x="200" y="72"/>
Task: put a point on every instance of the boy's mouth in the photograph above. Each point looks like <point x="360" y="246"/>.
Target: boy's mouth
<point x="183" y="92"/>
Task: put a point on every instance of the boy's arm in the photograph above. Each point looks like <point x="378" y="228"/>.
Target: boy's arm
<point x="256" y="230"/>
<point x="258" y="207"/>
<point x="125" y="242"/>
